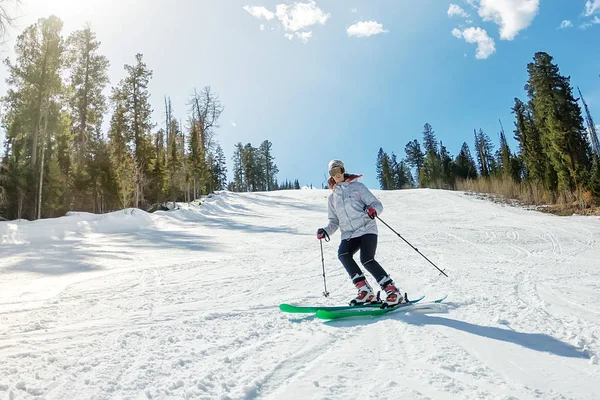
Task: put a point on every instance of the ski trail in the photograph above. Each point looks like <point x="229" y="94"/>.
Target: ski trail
<point x="132" y="315"/>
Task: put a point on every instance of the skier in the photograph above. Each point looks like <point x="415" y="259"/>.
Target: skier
<point x="353" y="208"/>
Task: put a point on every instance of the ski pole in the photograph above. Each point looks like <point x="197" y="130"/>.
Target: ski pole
<point x="325" y="293"/>
<point x="414" y="248"/>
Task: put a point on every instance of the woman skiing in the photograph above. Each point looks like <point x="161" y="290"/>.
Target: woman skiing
<point x="353" y="208"/>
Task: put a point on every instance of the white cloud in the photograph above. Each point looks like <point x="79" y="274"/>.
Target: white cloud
<point x="455" y="10"/>
<point x="485" y="44"/>
<point x="295" y="17"/>
<point x="565" y="24"/>
<point x="300" y="15"/>
<point x="233" y="124"/>
<point x="472" y="3"/>
<point x="260" y="12"/>
<point x="591" y="7"/>
<point x="590" y="23"/>
<point x="304" y="36"/>
<point x="354" y="10"/>
<point x="366" y="28"/>
<point x="511" y="15"/>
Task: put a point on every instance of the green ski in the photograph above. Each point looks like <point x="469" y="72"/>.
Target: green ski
<point x="289" y="308"/>
<point x="362" y="312"/>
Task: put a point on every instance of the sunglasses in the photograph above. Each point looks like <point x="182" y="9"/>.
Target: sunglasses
<point x="334" y="171"/>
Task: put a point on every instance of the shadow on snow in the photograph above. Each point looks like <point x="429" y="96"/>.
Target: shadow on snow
<point x="534" y="341"/>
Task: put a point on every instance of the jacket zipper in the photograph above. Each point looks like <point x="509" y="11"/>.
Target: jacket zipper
<point x="345" y="211"/>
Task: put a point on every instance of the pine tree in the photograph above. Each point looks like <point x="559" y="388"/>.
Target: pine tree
<point x="56" y="182"/>
<point x="175" y="162"/>
<point x="158" y="178"/>
<point x="384" y="171"/>
<point x="505" y="158"/>
<point x="429" y="139"/>
<point x="134" y="89"/>
<point x="270" y="168"/>
<point x="59" y="145"/>
<point x="238" y="168"/>
<point x="558" y="118"/>
<point x="16" y="186"/>
<point x="414" y="156"/>
<point x="220" y="170"/>
<point x="197" y="161"/>
<point x="485" y="154"/>
<point x="35" y="87"/>
<point x="405" y="178"/>
<point x="528" y="137"/>
<point x="249" y="165"/>
<point x="87" y="80"/>
<point x="396" y="179"/>
<point x="448" y="167"/>
<point x="120" y="155"/>
<point x="431" y="175"/>
<point x="103" y="176"/>
<point x="432" y="171"/>
<point x="465" y="165"/>
<point x="87" y="105"/>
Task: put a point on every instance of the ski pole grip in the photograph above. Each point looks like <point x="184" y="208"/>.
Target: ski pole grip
<point x="325" y="236"/>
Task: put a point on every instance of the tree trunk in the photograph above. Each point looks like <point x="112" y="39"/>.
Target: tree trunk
<point x="41" y="185"/>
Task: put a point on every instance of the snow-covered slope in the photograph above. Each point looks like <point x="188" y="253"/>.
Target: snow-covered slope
<point x="184" y="304"/>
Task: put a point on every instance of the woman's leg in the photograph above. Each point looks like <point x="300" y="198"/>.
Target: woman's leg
<point x="346" y="252"/>
<point x="367" y="258"/>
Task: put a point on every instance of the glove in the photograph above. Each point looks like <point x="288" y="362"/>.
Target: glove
<point x="321" y="233"/>
<point x="371" y="211"/>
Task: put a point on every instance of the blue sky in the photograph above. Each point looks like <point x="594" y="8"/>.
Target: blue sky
<point x="339" y="79"/>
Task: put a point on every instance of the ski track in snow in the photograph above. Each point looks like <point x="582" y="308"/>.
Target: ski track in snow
<point x="122" y="306"/>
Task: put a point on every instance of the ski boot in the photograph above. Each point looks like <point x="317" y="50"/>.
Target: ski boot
<point x="393" y="295"/>
<point x="365" y="294"/>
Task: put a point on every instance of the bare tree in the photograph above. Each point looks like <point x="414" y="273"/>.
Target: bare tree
<point x="5" y="18"/>
<point x="206" y="109"/>
<point x="3" y="181"/>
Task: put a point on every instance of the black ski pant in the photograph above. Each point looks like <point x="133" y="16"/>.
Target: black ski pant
<point x="367" y="244"/>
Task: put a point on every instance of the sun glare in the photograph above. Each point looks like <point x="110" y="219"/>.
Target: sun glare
<point x="65" y="9"/>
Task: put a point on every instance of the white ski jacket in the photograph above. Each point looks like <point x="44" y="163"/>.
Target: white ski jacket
<point x="346" y="210"/>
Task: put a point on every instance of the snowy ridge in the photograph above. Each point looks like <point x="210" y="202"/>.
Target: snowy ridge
<point x="122" y="305"/>
<point x="73" y="224"/>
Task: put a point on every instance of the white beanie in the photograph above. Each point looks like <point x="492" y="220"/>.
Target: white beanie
<point x="336" y="164"/>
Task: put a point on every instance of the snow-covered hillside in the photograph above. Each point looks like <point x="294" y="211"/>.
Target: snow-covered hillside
<point x="184" y="304"/>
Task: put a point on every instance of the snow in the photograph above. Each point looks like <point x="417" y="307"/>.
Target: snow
<point x="184" y="304"/>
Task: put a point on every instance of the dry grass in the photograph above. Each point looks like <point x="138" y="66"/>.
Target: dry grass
<point x="531" y="194"/>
